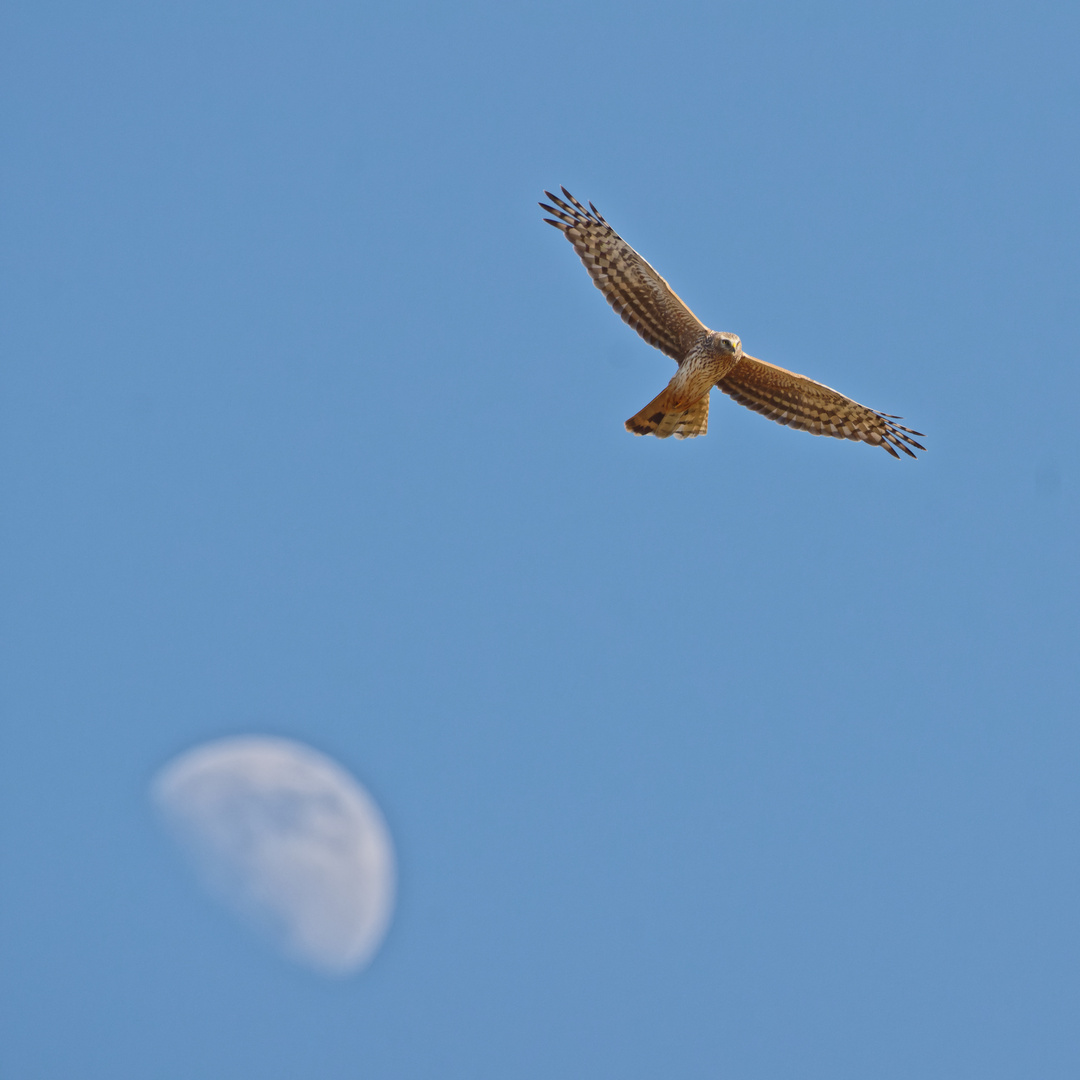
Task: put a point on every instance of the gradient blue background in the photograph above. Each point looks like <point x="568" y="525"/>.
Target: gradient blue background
<point x="754" y="756"/>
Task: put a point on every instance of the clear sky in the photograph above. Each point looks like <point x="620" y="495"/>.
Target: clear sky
<point x="751" y="756"/>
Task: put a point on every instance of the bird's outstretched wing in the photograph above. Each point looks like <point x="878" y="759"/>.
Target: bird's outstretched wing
<point x="632" y="287"/>
<point x="799" y="402"/>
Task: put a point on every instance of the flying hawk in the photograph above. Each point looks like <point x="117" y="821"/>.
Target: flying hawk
<point x="707" y="358"/>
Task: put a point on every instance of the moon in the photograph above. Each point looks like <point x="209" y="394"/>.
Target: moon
<point x="287" y="840"/>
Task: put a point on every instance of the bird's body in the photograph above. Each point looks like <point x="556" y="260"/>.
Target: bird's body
<point x="707" y="358"/>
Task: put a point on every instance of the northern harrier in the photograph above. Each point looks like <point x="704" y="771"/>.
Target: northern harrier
<point x="707" y="358"/>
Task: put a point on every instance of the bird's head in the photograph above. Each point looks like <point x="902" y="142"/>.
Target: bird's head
<point x="727" y="344"/>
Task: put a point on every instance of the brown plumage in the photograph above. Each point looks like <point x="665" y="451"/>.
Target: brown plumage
<point x="705" y="357"/>
<point x="663" y="417"/>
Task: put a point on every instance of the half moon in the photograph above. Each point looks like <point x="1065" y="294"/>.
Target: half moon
<point x="288" y="840"/>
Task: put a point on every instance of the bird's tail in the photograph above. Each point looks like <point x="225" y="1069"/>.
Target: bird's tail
<point x="661" y="418"/>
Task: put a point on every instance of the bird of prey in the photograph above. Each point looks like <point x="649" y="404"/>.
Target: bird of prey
<point x="707" y="358"/>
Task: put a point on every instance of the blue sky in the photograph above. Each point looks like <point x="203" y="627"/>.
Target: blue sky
<point x="754" y="755"/>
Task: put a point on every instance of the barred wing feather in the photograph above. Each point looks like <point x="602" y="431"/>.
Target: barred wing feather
<point x="799" y="402"/>
<point x="632" y="287"/>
